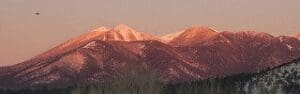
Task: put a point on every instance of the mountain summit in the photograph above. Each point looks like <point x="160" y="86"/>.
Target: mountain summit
<point x="119" y="33"/>
<point x="190" y="35"/>
<point x="124" y="33"/>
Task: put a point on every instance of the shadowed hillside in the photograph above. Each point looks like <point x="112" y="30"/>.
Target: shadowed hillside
<point x="137" y="80"/>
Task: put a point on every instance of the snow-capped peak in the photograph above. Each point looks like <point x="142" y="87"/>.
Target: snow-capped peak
<point x="101" y="29"/>
<point x="190" y="34"/>
<point x="123" y="27"/>
<point x="123" y="32"/>
<point x="202" y="29"/>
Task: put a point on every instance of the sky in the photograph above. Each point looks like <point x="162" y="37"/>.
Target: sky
<point x="24" y="34"/>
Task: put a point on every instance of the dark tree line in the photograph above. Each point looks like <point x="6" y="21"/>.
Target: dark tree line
<point x="141" y="80"/>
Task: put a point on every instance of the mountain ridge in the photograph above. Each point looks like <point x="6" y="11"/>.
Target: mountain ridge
<point x="188" y="35"/>
<point x="194" y="53"/>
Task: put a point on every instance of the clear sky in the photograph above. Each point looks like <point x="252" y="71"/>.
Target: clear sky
<point x="24" y="35"/>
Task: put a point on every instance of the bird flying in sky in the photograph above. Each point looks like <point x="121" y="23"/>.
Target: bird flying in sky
<point x="37" y="13"/>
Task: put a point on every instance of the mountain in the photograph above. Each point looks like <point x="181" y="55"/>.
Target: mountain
<point x="101" y="60"/>
<point x="241" y="52"/>
<point x="119" y="33"/>
<point x="195" y="53"/>
<point x="189" y="36"/>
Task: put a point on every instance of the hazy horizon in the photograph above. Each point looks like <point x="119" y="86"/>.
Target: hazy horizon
<point x="24" y="34"/>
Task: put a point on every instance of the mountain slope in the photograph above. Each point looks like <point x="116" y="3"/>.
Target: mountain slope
<point x="119" y="33"/>
<point x="228" y="53"/>
<point x="100" y="61"/>
<point x="282" y="79"/>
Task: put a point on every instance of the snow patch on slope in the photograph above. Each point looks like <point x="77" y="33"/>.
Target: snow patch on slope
<point x="290" y="47"/>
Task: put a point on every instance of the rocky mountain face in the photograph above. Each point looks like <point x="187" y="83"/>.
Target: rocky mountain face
<point x="194" y="53"/>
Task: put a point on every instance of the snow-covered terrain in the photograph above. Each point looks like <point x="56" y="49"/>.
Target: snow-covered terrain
<point x="280" y="80"/>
